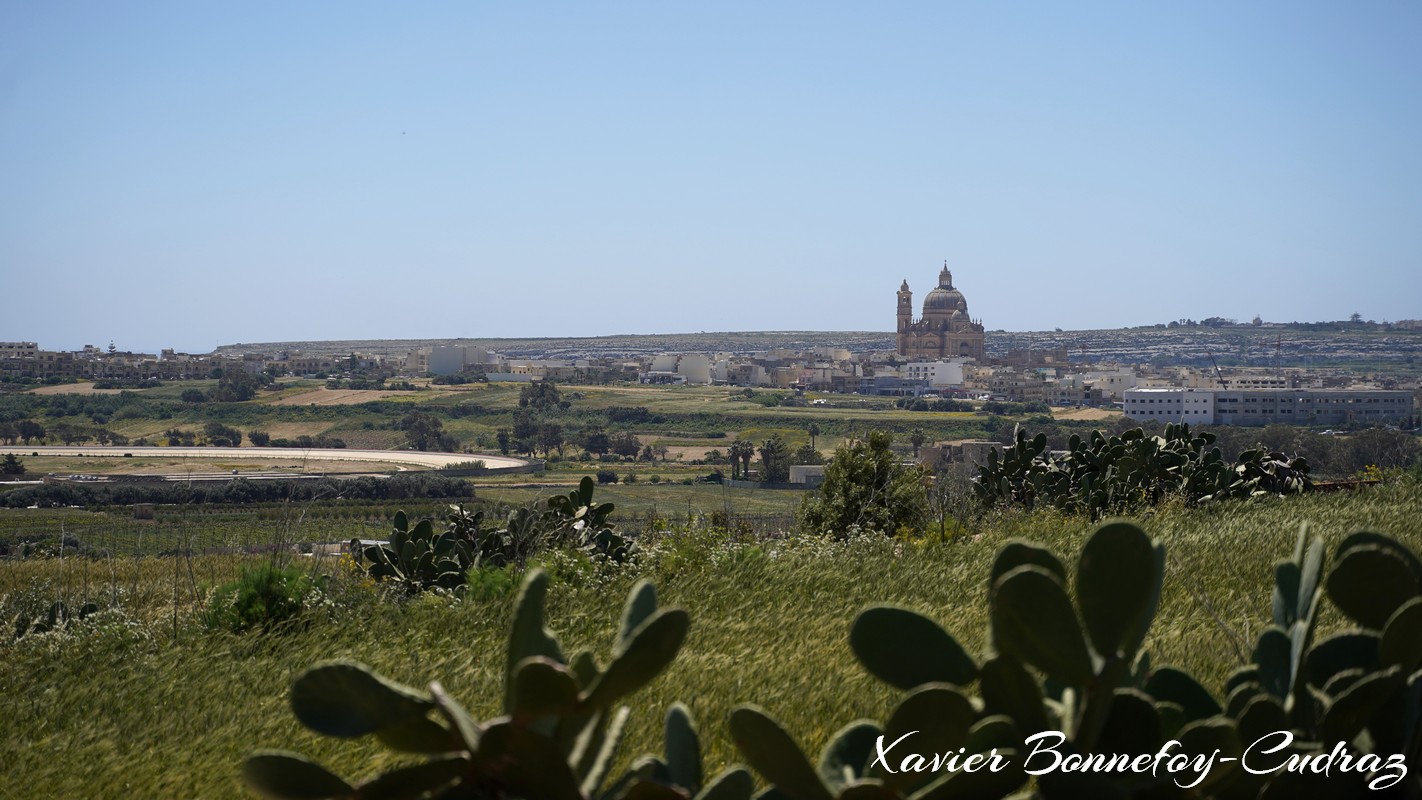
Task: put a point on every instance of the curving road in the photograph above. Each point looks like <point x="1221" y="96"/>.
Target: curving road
<point x="400" y="457"/>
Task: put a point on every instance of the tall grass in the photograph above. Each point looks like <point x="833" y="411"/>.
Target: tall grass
<point x="124" y="703"/>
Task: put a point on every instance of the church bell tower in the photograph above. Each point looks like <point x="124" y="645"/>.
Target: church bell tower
<point x="905" y="313"/>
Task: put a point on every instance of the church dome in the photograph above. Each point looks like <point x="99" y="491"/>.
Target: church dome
<point x="944" y="300"/>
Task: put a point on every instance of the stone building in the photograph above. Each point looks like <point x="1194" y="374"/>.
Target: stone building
<point x="945" y="330"/>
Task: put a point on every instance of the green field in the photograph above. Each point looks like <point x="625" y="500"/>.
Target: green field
<point x="209" y="528"/>
<point x="142" y="700"/>
<point x="698" y="418"/>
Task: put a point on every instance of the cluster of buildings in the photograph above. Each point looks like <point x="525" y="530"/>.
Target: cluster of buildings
<point x="942" y="351"/>
<point x="27" y="360"/>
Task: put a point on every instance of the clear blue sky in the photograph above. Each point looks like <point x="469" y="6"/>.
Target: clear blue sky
<point x="188" y="174"/>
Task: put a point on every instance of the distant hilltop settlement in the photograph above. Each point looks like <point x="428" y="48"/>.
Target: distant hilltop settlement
<point x="943" y="352"/>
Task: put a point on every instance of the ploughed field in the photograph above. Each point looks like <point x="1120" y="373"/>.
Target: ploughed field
<point x="143" y="699"/>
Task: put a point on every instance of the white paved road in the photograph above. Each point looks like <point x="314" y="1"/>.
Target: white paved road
<point x="399" y="457"/>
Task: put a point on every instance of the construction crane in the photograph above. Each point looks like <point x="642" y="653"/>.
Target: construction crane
<point x="1219" y="376"/>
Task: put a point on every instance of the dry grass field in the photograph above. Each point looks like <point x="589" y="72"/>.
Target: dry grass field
<point x="1084" y="414"/>
<point x="349" y="397"/>
<point x="73" y="388"/>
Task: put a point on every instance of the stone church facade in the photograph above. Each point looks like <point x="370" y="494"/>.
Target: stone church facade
<point x="945" y="330"/>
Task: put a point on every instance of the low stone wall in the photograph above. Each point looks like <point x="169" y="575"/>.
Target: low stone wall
<point x="799" y="487"/>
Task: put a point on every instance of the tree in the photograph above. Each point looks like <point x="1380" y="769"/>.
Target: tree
<point x="12" y="465"/>
<point x="866" y="486"/>
<point x="626" y="444"/>
<point x="424" y="431"/>
<point x="597" y="442"/>
<point x="1383" y="448"/>
<point x="235" y="385"/>
<point x="30" y="430"/>
<point x="70" y="434"/>
<point x="259" y="438"/>
<point x="219" y="435"/>
<point x="814" y="430"/>
<point x="951" y="503"/>
<point x="193" y="396"/>
<point x="917" y="438"/>
<point x="179" y="438"/>
<point x="525" y="432"/>
<point x="807" y="454"/>
<point x="539" y="396"/>
<point x="741" y="453"/>
<point x="550" y="435"/>
<point x="505" y="439"/>
<point x="107" y="437"/>
<point x="774" y="460"/>
<point x="661" y="450"/>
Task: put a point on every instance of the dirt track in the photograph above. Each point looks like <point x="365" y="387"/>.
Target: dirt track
<point x="398" y="457"/>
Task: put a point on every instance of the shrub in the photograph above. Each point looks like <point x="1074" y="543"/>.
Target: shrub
<point x="606" y="476"/>
<point x="865" y="486"/>
<point x="491" y="583"/>
<point x="265" y="598"/>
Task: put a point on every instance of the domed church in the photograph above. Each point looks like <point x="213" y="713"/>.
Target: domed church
<point x="945" y="330"/>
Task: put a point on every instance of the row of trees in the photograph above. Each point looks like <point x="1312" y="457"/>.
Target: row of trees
<point x="233" y="386"/>
<point x="30" y="432"/>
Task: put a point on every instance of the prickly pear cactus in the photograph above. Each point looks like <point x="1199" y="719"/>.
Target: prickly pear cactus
<point x="418" y="558"/>
<point x="557" y="737"/>
<point x="1103" y="474"/>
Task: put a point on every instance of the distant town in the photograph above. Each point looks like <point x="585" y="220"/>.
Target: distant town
<point x="1216" y="371"/>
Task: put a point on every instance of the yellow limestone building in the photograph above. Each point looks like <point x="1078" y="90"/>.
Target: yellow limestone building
<point x="944" y="330"/>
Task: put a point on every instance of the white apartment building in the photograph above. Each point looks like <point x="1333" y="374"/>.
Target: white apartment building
<point x="939" y="374"/>
<point x="1268" y="406"/>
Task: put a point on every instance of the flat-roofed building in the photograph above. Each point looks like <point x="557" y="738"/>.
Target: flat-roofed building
<point x="939" y="374"/>
<point x="18" y="349"/>
<point x="1269" y="406"/>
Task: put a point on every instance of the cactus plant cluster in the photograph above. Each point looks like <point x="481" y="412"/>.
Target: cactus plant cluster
<point x="1076" y="666"/>
<point x="557" y="737"/>
<point x="1362" y="686"/>
<point x="1095" y="686"/>
<point x="57" y="618"/>
<point x="1067" y="659"/>
<point x="1104" y="474"/>
<point x="420" y="558"/>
